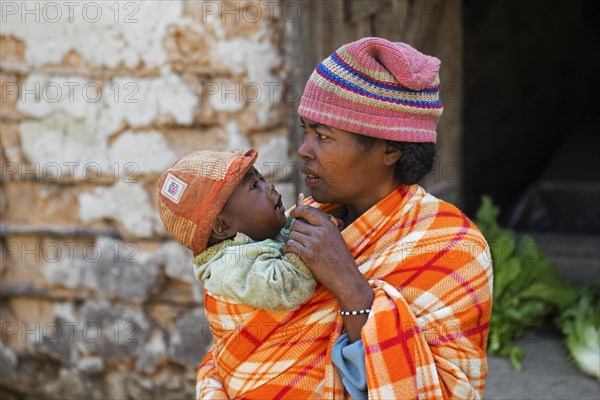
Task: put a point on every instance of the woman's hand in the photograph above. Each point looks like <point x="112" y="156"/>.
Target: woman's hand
<point x="317" y="240"/>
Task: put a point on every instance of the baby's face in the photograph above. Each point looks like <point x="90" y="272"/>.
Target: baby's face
<point x="255" y="207"/>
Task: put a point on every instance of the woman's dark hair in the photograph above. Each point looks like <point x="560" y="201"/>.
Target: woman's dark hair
<point x="415" y="162"/>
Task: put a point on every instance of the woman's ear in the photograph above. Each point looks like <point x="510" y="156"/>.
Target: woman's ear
<point x="221" y="230"/>
<point x="391" y="154"/>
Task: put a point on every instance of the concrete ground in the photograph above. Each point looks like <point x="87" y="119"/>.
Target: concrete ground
<point x="547" y="373"/>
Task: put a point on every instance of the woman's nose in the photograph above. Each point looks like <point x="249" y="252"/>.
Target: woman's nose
<point x="305" y="151"/>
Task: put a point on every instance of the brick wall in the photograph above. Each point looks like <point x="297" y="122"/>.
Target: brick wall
<point x="98" y="98"/>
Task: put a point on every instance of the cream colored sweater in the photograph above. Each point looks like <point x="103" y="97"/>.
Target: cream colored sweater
<point x="255" y="273"/>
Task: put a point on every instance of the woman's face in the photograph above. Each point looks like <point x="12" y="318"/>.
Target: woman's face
<point x="339" y="169"/>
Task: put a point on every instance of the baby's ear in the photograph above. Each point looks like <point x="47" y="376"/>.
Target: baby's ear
<point x="221" y="230"/>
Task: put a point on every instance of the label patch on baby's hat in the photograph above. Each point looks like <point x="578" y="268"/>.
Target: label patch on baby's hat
<point x="173" y="188"/>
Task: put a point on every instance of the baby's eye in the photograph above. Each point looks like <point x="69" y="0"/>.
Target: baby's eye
<point x="322" y="137"/>
<point x="253" y="185"/>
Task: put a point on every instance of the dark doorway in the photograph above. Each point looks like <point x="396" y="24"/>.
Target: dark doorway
<point x="531" y="78"/>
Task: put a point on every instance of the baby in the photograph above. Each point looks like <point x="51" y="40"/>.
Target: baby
<point x="219" y="206"/>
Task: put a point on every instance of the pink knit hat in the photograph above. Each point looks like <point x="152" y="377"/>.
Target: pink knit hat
<point x="376" y="88"/>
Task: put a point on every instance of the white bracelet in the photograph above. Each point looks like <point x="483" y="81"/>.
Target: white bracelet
<point x="358" y="312"/>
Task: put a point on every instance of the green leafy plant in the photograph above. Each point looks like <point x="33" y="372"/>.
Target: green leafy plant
<point x="526" y="287"/>
<point x="580" y="324"/>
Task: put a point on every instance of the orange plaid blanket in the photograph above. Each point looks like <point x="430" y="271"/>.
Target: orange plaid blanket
<point x="426" y="335"/>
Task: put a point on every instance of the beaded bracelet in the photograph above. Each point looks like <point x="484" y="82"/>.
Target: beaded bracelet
<point x="358" y="312"/>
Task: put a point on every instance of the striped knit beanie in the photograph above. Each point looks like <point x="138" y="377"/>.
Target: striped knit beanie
<point x="193" y="191"/>
<point x="377" y="88"/>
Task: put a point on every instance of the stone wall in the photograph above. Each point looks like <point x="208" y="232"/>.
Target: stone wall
<point x="98" y="98"/>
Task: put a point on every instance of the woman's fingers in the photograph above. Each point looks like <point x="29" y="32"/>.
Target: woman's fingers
<point x="301" y="233"/>
<point x="302" y="227"/>
<point x="305" y="246"/>
<point x="291" y="246"/>
<point x="312" y="215"/>
<point x="300" y="200"/>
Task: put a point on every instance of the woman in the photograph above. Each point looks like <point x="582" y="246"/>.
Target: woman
<point x="403" y="306"/>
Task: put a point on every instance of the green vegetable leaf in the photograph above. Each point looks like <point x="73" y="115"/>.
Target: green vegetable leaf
<point x="581" y="325"/>
<point x="511" y="269"/>
<point x="526" y="288"/>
